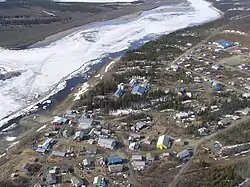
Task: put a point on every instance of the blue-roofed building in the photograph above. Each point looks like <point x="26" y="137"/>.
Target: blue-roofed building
<point x="217" y="87"/>
<point x="114" y="160"/>
<point x="223" y="44"/>
<point x="184" y="154"/>
<point x="119" y="92"/>
<point x="139" y="90"/>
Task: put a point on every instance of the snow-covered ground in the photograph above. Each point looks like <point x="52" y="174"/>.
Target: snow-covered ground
<point x="44" y="70"/>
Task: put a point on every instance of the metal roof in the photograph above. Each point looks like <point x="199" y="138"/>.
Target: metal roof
<point x="138" y="90"/>
<point x="224" y="43"/>
<point x="58" y="153"/>
<point x="119" y="92"/>
<point x="114" y="160"/>
<point x="183" y="154"/>
<point x="115" y="168"/>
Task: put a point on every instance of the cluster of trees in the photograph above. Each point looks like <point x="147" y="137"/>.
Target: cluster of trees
<point x="227" y="107"/>
<point x="236" y="135"/>
<point x="221" y="176"/>
<point x="26" y="20"/>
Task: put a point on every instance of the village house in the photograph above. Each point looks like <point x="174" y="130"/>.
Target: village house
<point x="46" y="145"/>
<point x="139" y="165"/>
<point x="223" y="44"/>
<point x="99" y="181"/>
<point x="134" y="136"/>
<point x="140" y="125"/>
<point x="224" y="122"/>
<point x="246" y="95"/>
<point x="85" y="122"/>
<point x="115" y="168"/>
<point x="185" y="154"/>
<point x="91" y="150"/>
<point x="79" y="135"/>
<point x="87" y="162"/>
<point x="138" y="90"/>
<point x="114" y="160"/>
<point x="182" y="115"/>
<point x="149" y="157"/>
<point x="135" y="146"/>
<point x="105" y="131"/>
<point x="54" y="170"/>
<point x="51" y="179"/>
<point x="58" y="153"/>
<point x="27" y="167"/>
<point x="120" y="90"/>
<point x="107" y="143"/>
<point x="59" y="120"/>
<point x="77" y="182"/>
<point x="163" y="142"/>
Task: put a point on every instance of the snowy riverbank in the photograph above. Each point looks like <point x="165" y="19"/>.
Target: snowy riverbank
<point x="44" y="70"/>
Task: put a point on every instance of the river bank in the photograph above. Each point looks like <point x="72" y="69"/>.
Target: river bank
<point x="28" y="125"/>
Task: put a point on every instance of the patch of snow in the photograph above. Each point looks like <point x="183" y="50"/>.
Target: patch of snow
<point x="120" y="112"/>
<point x="48" y="13"/>
<point x="236" y="145"/>
<point x="10" y="138"/>
<point x="45" y="69"/>
<point x="82" y="90"/>
<point x="98" y="75"/>
<point x="9" y="128"/>
<point x="108" y="66"/>
<point x="41" y="128"/>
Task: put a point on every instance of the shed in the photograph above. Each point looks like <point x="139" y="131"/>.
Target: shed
<point x="76" y="182"/>
<point x="115" y="168"/>
<point x="182" y="115"/>
<point x="58" y="153"/>
<point x="163" y="142"/>
<point x="86" y="162"/>
<point x="107" y="143"/>
<point x="183" y="154"/>
<point x="138" y="90"/>
<point x="135" y="136"/>
<point x="51" y="178"/>
<point x="136" y="157"/>
<point x="114" y="160"/>
<point x="149" y="157"/>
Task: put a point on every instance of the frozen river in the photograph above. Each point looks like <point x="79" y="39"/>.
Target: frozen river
<point x="43" y="71"/>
